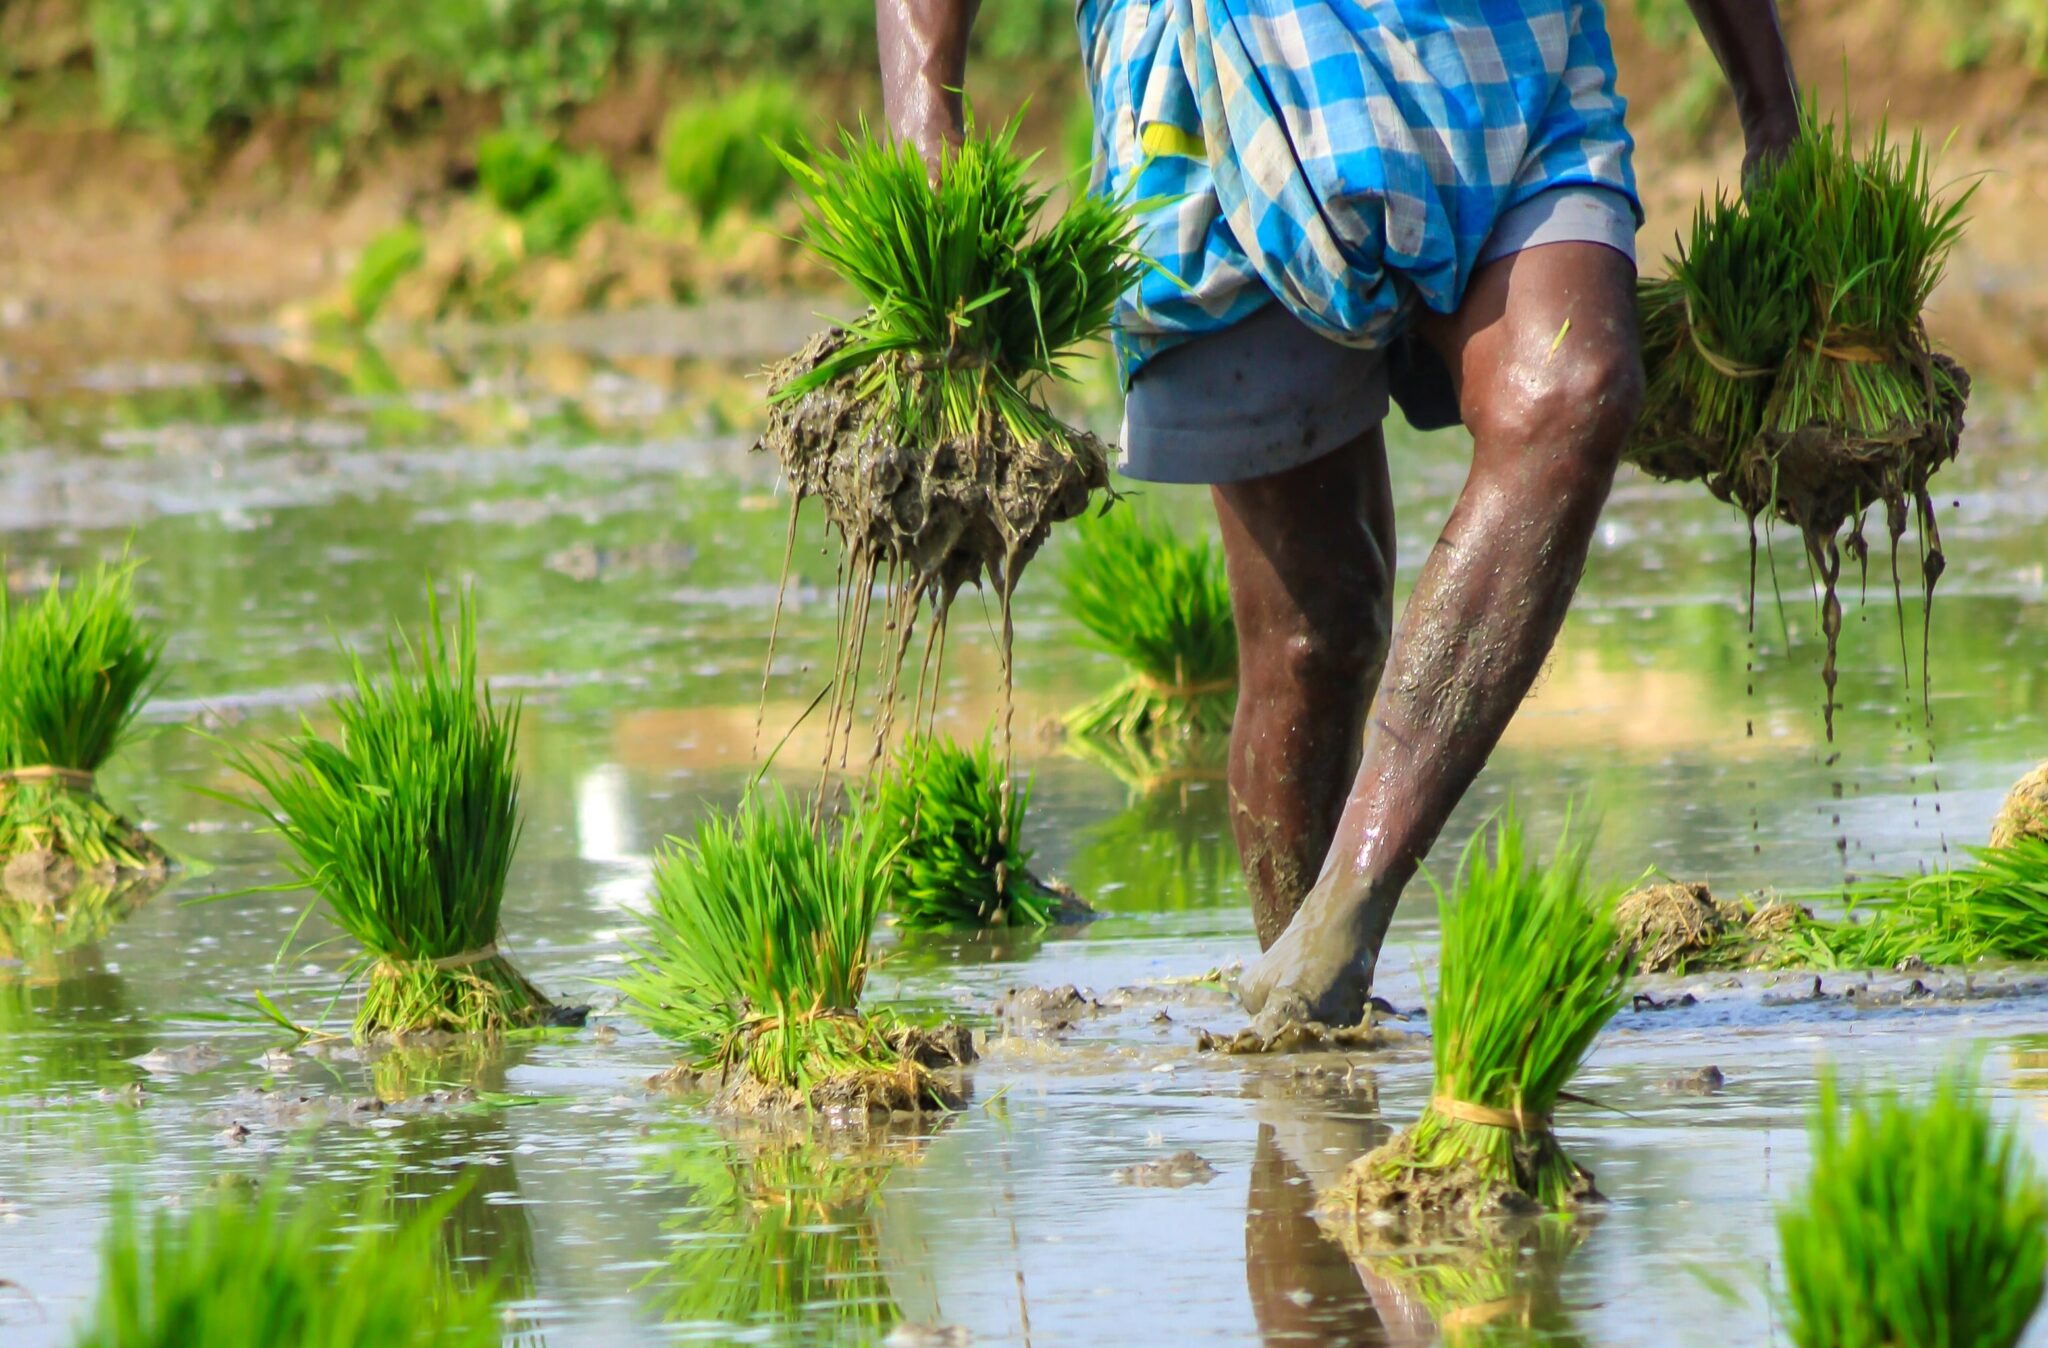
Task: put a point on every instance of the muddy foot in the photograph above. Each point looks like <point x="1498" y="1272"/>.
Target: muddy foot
<point x="1308" y="977"/>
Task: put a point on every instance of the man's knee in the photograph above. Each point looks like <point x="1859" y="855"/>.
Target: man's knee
<point x="1335" y="638"/>
<point x="1565" y="420"/>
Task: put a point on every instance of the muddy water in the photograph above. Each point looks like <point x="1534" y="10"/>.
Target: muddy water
<point x="625" y="567"/>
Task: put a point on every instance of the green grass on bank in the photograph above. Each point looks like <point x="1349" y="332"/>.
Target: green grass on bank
<point x="203" y="69"/>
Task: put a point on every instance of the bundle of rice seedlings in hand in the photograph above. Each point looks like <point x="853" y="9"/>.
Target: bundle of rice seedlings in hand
<point x="1921" y="1223"/>
<point x="405" y="827"/>
<point x="921" y="427"/>
<point x="1531" y="970"/>
<point x="1162" y="606"/>
<point x="958" y="859"/>
<point x="277" y="1270"/>
<point x="753" y="956"/>
<point x="1788" y="365"/>
<point x="76" y="667"/>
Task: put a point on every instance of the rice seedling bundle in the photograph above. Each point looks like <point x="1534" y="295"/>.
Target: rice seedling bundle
<point x="753" y="956"/>
<point x="1531" y="971"/>
<point x="1162" y="606"/>
<point x="1922" y="1222"/>
<point x="276" y="1270"/>
<point x="76" y="667"/>
<point x="1993" y="907"/>
<point x="405" y="827"/>
<point x="921" y="427"/>
<point x="718" y="153"/>
<point x="1788" y="365"/>
<point x="958" y="860"/>
<point x="2024" y="811"/>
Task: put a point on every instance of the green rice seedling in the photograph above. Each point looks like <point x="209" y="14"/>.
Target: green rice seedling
<point x="1921" y="1222"/>
<point x="386" y="260"/>
<point x="720" y="153"/>
<point x="1162" y="606"/>
<point x="1531" y="971"/>
<point x="1993" y="907"/>
<point x="959" y="858"/>
<point x="1788" y="364"/>
<point x="753" y="956"/>
<point x="921" y="426"/>
<point x="277" y="1270"/>
<point x="405" y="827"/>
<point x="76" y="667"/>
<point x="778" y="1232"/>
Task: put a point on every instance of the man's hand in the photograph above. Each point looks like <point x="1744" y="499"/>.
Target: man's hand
<point x="1747" y="41"/>
<point x="924" y="64"/>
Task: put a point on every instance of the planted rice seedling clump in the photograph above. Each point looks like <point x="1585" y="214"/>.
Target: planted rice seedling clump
<point x="921" y="427"/>
<point x="1531" y="970"/>
<point x="76" y="667"/>
<point x="1921" y="1222"/>
<point x="958" y="858"/>
<point x="1162" y="606"/>
<point x="405" y="826"/>
<point x="276" y="1270"/>
<point x="1789" y="368"/>
<point x="753" y="957"/>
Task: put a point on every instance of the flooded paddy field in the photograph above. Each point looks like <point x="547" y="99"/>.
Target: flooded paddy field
<point x="595" y="487"/>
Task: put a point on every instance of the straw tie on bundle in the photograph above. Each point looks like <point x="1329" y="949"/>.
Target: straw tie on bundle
<point x="65" y="779"/>
<point x="1486" y="1116"/>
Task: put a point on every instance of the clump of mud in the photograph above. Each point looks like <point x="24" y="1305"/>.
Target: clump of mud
<point x="914" y="1086"/>
<point x="1386" y="1196"/>
<point x="1177" y="1171"/>
<point x="924" y="520"/>
<point x="1820" y="479"/>
<point x="1672" y="927"/>
<point x="2023" y="817"/>
<point x="1303" y="1036"/>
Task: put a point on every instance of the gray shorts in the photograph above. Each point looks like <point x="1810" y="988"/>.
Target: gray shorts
<point x="1270" y="394"/>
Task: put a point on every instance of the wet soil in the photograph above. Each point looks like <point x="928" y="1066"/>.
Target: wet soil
<point x="925" y="1081"/>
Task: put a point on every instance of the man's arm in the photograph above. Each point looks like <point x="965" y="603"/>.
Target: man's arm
<point x="1750" y="46"/>
<point x="924" y="63"/>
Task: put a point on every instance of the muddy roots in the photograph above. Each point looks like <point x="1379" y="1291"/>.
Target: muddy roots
<point x="1675" y="927"/>
<point x="920" y="520"/>
<point x="1819" y="479"/>
<point x="920" y="1081"/>
<point x="1396" y="1192"/>
<point x="2024" y="815"/>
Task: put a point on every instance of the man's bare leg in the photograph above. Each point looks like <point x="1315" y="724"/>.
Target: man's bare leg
<point x="1310" y="552"/>
<point x="1549" y="371"/>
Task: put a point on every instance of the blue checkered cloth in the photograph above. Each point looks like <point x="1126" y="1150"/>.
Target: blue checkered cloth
<point x="1347" y="157"/>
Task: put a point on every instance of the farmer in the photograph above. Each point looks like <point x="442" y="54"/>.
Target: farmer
<point x="1349" y="200"/>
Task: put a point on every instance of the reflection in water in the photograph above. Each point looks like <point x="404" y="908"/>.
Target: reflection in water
<point x="38" y="933"/>
<point x="487" y="1233"/>
<point x="1170" y="851"/>
<point x="777" y="1231"/>
<point x="1304" y="1288"/>
<point x="605" y="836"/>
<point x="66" y="1026"/>
<point x="1500" y="1289"/>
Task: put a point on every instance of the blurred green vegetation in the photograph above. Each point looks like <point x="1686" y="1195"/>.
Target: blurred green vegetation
<point x="201" y="69"/>
<point x="718" y="153"/>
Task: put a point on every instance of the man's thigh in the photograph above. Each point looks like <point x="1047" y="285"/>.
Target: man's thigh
<point x="1558" y="316"/>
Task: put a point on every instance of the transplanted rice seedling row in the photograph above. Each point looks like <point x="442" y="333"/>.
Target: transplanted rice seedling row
<point x="76" y="667"/>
